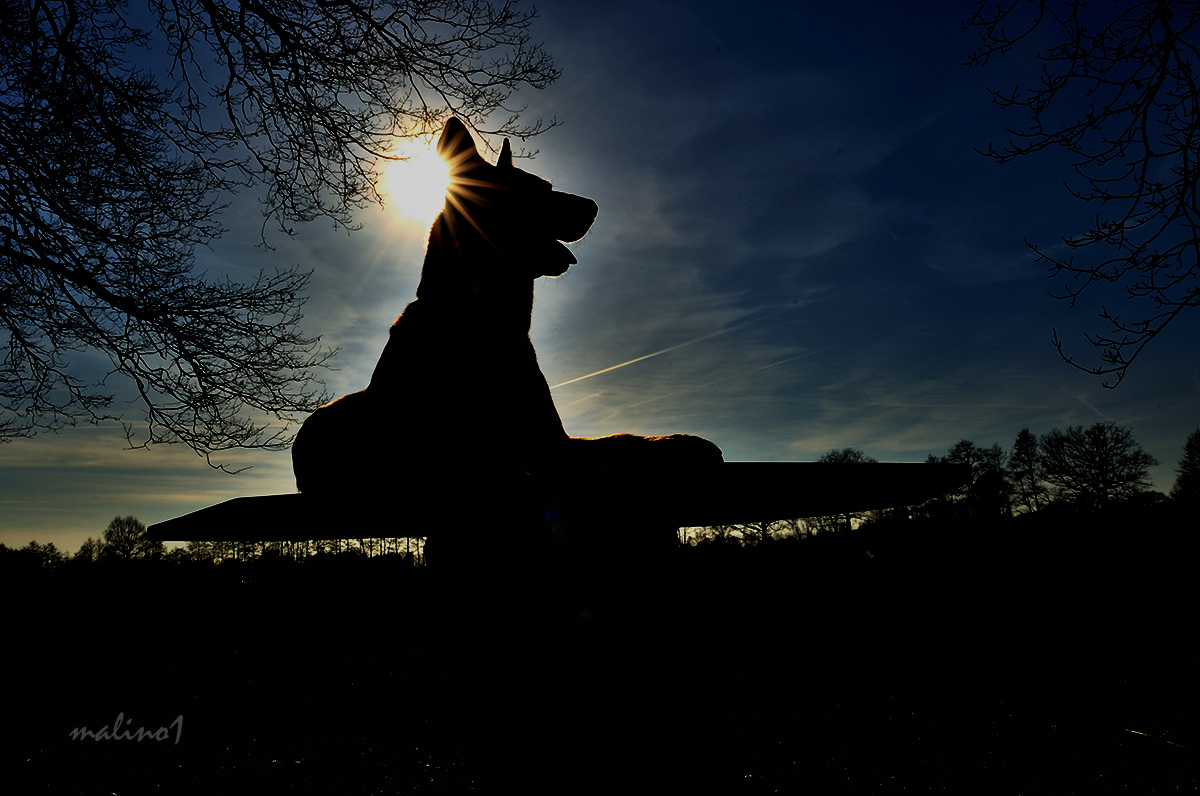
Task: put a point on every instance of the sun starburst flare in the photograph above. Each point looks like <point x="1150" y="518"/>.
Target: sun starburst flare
<point x="415" y="187"/>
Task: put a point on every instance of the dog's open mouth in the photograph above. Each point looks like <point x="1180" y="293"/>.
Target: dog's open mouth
<point x="567" y="220"/>
<point x="555" y="259"/>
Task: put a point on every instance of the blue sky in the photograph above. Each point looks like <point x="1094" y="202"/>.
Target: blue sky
<point x="791" y="210"/>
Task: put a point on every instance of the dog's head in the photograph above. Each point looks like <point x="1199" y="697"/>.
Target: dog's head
<point x="505" y="221"/>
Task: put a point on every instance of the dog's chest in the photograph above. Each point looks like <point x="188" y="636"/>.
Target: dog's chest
<point x="461" y="350"/>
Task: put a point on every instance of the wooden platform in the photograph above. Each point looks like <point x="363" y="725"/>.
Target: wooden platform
<point x="729" y="494"/>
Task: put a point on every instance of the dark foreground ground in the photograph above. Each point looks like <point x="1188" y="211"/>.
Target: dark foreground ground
<point x="947" y="662"/>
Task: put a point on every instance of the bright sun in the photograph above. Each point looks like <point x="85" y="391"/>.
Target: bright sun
<point x="416" y="187"/>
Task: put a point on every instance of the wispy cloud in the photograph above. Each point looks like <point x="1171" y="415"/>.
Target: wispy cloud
<point x="741" y="375"/>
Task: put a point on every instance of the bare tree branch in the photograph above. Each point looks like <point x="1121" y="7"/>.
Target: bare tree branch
<point x="1119" y="92"/>
<point x="111" y="176"/>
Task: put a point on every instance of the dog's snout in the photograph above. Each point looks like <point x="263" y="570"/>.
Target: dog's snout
<point x="575" y="215"/>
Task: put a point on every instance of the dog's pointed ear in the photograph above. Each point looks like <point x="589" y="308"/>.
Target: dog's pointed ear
<point x="505" y="160"/>
<point x="456" y="146"/>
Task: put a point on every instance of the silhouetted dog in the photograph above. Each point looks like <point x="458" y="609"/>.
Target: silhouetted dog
<point x="457" y="398"/>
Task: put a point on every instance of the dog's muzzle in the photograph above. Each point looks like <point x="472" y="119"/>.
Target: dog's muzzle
<point x="571" y="216"/>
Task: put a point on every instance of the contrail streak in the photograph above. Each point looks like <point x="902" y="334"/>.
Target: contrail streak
<point x="667" y="350"/>
<point x="728" y="378"/>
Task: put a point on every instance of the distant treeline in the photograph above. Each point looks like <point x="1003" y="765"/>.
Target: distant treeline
<point x="1072" y="474"/>
<point x="124" y="540"/>
<point x="1078" y="479"/>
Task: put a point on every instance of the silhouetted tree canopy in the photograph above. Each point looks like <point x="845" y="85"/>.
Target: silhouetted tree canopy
<point x="33" y="557"/>
<point x="112" y="173"/>
<point x="839" y="522"/>
<point x="1025" y="472"/>
<point x="1186" y="489"/>
<point x="125" y="538"/>
<point x="846" y="456"/>
<point x="1096" y="467"/>
<point x="986" y="495"/>
<point x="981" y="460"/>
<point x="90" y="550"/>
<point x="1119" y="92"/>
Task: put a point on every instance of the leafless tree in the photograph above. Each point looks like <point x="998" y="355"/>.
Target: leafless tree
<point x="1186" y="489"/>
<point x="794" y="528"/>
<point x="1095" y="467"/>
<point x="125" y="538"/>
<point x="111" y="174"/>
<point x="723" y="534"/>
<point x="1023" y="468"/>
<point x="38" y="556"/>
<point x="986" y="494"/>
<point x="90" y="550"/>
<point x="756" y="533"/>
<point x="201" y="551"/>
<point x="1119" y="92"/>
